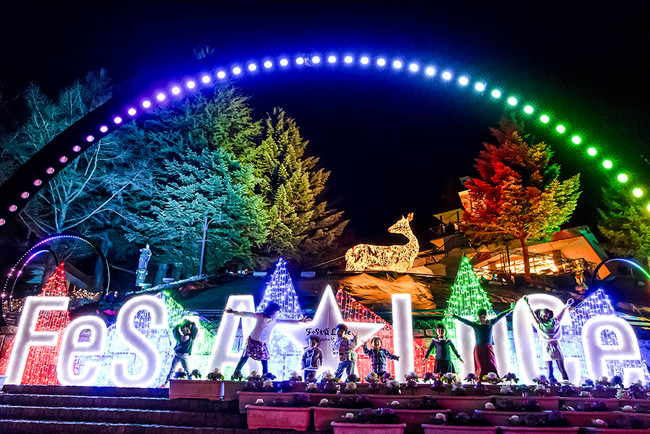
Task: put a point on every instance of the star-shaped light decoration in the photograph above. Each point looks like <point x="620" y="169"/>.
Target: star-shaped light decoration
<point x="327" y="317"/>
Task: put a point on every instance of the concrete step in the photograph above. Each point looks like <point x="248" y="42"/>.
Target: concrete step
<point x="87" y="391"/>
<point x="55" y="427"/>
<point x="123" y="416"/>
<point x="133" y="402"/>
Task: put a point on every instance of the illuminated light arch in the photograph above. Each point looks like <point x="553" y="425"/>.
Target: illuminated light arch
<point x="16" y="272"/>
<point x="67" y="146"/>
<point x="627" y="261"/>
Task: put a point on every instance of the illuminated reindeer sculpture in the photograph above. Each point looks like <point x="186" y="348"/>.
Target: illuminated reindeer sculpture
<point x="389" y="258"/>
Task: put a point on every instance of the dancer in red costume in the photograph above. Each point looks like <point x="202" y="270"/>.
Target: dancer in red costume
<point x="484" y="360"/>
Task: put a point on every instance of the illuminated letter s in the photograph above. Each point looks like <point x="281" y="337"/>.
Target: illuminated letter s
<point x="140" y="345"/>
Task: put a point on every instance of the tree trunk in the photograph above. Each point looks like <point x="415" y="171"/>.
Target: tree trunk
<point x="99" y="266"/>
<point x="524" y="251"/>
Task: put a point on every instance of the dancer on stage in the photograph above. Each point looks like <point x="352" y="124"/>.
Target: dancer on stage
<point x="344" y="349"/>
<point x="312" y="359"/>
<point x="184" y="334"/>
<point x="443" y="347"/>
<point x="549" y="330"/>
<point x="378" y="355"/>
<point x="484" y="359"/>
<point x="256" y="346"/>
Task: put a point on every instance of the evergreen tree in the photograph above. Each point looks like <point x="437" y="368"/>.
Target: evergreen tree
<point x="301" y="225"/>
<point x="518" y="195"/>
<point x="193" y="179"/>
<point x="625" y="222"/>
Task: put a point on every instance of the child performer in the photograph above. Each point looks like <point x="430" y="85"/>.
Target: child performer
<point x="312" y="358"/>
<point x="260" y="336"/>
<point x="442" y="346"/>
<point x="484" y="359"/>
<point x="184" y="334"/>
<point x="549" y="330"/>
<point x="344" y="348"/>
<point x="378" y="355"/>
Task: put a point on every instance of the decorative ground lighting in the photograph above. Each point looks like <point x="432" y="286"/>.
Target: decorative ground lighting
<point x="11" y="190"/>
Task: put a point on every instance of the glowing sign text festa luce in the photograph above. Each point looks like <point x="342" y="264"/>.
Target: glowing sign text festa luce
<point x="601" y="345"/>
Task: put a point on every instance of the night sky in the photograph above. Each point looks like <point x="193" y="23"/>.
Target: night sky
<point x="394" y="143"/>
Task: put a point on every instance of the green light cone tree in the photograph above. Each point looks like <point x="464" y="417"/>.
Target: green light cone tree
<point x="466" y="297"/>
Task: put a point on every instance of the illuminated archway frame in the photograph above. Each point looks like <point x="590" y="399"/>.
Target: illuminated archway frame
<point x="55" y="156"/>
<point x="15" y="272"/>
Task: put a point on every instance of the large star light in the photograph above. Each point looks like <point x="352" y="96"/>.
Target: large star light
<point x="327" y="317"/>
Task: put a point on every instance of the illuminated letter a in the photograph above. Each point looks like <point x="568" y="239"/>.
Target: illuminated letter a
<point x="222" y="354"/>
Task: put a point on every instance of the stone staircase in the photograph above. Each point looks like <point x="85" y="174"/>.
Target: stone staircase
<point x="68" y="409"/>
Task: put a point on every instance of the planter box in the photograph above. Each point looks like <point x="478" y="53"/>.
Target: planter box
<point x="230" y="389"/>
<point x="584" y="418"/>
<point x="545" y="402"/>
<point x="368" y="428"/>
<point x="414" y="419"/>
<point x="612" y="403"/>
<point x="249" y="398"/>
<point x="462" y="403"/>
<point x="295" y="418"/>
<point x="455" y="429"/>
<point x="501" y="417"/>
<point x="195" y="389"/>
<point x="324" y="416"/>
<point x="531" y="430"/>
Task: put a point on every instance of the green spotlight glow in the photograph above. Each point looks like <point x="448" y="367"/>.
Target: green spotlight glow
<point x="637" y="192"/>
<point x="622" y="177"/>
<point x="560" y="129"/>
<point x="528" y="109"/>
<point x="648" y="207"/>
<point x="512" y="100"/>
<point x="496" y="93"/>
<point x="544" y="119"/>
<point x="592" y="152"/>
<point x="607" y="164"/>
<point x="576" y="140"/>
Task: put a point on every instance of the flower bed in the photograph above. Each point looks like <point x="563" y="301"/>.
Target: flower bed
<point x="587" y="404"/>
<point x="296" y="418"/>
<point x="195" y="389"/>
<point x="276" y="398"/>
<point x="370" y="428"/>
<point x="545" y="402"/>
<point x="504" y="418"/>
<point x="379" y="401"/>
